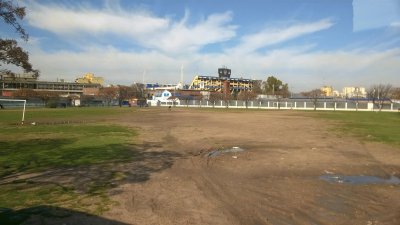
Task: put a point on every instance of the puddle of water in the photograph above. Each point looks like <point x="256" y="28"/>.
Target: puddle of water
<point x="331" y="178"/>
<point x="222" y="151"/>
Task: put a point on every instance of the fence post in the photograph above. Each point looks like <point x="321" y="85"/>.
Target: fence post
<point x="252" y="104"/>
<point x="236" y="104"/>
<point x="286" y="104"/>
<point x="391" y="106"/>
<point x="324" y="105"/>
<point x="268" y="105"/>
<point x="305" y="105"/>
<point x="295" y="104"/>
<point x="345" y="105"/>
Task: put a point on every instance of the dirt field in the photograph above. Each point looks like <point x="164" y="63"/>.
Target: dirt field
<point x="276" y="180"/>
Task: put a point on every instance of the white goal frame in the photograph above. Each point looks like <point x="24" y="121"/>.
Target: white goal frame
<point x="17" y="100"/>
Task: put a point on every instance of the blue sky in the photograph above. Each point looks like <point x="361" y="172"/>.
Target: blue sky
<point x="306" y="43"/>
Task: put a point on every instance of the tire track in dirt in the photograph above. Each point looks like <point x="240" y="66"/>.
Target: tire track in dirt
<point x="276" y="181"/>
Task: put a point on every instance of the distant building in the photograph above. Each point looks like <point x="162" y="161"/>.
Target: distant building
<point x="157" y="86"/>
<point x="354" y="92"/>
<point x="89" y="78"/>
<point x="21" y="77"/>
<point x="10" y="84"/>
<point x="211" y="83"/>
<point x="328" y="91"/>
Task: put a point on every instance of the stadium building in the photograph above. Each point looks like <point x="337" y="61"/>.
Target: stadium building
<point x="211" y="83"/>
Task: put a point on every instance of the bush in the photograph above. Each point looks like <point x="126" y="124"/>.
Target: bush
<point x="52" y="104"/>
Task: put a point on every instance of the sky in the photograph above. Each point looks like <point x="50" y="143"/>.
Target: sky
<point x="305" y="43"/>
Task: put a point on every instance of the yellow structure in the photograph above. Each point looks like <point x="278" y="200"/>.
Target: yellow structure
<point x="208" y="83"/>
<point x="327" y="90"/>
<point x="89" y="78"/>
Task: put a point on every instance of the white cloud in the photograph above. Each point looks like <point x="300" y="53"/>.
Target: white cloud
<point x="62" y="20"/>
<point x="271" y="36"/>
<point x="139" y="26"/>
<point x="182" y="37"/>
<point x="302" y="70"/>
<point x="169" y="43"/>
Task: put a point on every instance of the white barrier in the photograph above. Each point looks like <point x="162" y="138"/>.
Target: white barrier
<point x="286" y="105"/>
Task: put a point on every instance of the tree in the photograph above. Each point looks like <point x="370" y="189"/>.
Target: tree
<point x="379" y="94"/>
<point x="257" y="86"/>
<point x="215" y="96"/>
<point x="10" y="52"/>
<point x="274" y="86"/>
<point x="45" y="96"/>
<point x="109" y="94"/>
<point x="124" y="93"/>
<point x="25" y="93"/>
<point x="395" y="93"/>
<point x="247" y="96"/>
<point x="137" y="90"/>
<point x="314" y="95"/>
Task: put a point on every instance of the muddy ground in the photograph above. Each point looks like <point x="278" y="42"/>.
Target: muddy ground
<point x="276" y="180"/>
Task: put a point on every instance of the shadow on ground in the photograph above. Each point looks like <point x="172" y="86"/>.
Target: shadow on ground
<point x="82" y="167"/>
<point x="74" y="179"/>
<point x="49" y="215"/>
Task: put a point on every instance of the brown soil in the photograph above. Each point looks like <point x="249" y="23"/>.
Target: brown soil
<point x="275" y="181"/>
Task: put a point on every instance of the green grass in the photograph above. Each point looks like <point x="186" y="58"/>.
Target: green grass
<point x="57" y="114"/>
<point x="371" y="126"/>
<point x="28" y="149"/>
<point x="37" y="148"/>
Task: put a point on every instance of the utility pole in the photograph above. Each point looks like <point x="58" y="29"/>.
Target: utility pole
<point x="273" y="89"/>
<point x="182" y="74"/>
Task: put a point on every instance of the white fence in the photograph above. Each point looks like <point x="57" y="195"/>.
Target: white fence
<point x="285" y="105"/>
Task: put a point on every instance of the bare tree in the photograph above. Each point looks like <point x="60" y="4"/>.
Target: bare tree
<point x="46" y="96"/>
<point x="257" y="86"/>
<point x="314" y="95"/>
<point x="214" y="97"/>
<point x="25" y="93"/>
<point x="124" y="93"/>
<point x="395" y="93"/>
<point x="247" y="96"/>
<point x="137" y="90"/>
<point x="109" y="94"/>
<point x="379" y="94"/>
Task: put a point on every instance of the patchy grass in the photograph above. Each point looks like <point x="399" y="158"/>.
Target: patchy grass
<point x="373" y="126"/>
<point x="29" y="150"/>
<point x="38" y="148"/>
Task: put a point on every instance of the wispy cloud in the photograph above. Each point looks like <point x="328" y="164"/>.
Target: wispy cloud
<point x="183" y="37"/>
<point x="272" y="36"/>
<point x="165" y="43"/>
<point x="139" y="26"/>
<point x="63" y="20"/>
<point x="304" y="70"/>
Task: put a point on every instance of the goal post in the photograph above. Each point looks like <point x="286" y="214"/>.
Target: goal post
<point x="17" y="100"/>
